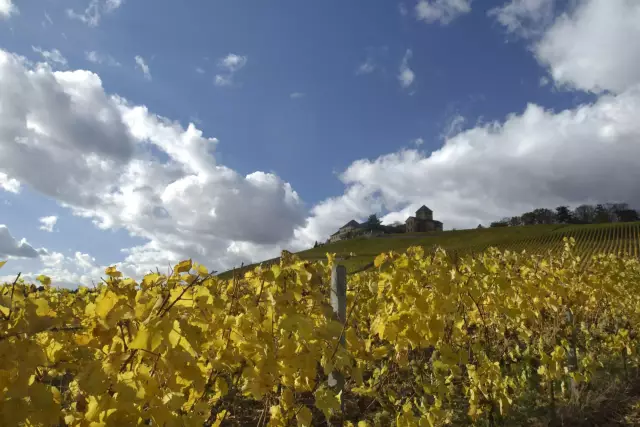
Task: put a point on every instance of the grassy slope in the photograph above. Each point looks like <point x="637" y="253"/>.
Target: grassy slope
<point x="592" y="238"/>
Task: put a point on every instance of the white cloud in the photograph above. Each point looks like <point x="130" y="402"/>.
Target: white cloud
<point x="443" y="11"/>
<point x="98" y="152"/>
<point x="595" y="47"/>
<point x="66" y="271"/>
<point x="540" y="158"/>
<point x="221" y="80"/>
<point x="367" y="67"/>
<point x="229" y="65"/>
<point x="525" y="18"/>
<point x="47" y="223"/>
<point x="9" y="184"/>
<point x="418" y="142"/>
<point x="52" y="57"/>
<point x="544" y="81"/>
<point x="297" y="95"/>
<point x="10" y="247"/>
<point x="7" y="8"/>
<point x="406" y="76"/>
<point x="454" y="126"/>
<point x="94" y="11"/>
<point x="233" y="62"/>
<point x="140" y="63"/>
<point x="100" y="58"/>
<point x="47" y="22"/>
<point x="199" y="70"/>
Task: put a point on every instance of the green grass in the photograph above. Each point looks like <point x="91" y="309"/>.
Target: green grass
<point x="536" y="239"/>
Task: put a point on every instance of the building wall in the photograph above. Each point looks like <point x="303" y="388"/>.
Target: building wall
<point x="425" y="215"/>
<point x="415" y="225"/>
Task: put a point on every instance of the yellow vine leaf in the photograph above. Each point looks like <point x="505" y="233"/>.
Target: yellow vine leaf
<point x="45" y="280"/>
<point x="202" y="270"/>
<point x="327" y="402"/>
<point x="146" y="339"/>
<point x="304" y="417"/>
<point x="112" y="272"/>
<point x="105" y="303"/>
<point x="183" y="266"/>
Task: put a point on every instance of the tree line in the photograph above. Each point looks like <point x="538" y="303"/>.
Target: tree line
<point x="583" y="214"/>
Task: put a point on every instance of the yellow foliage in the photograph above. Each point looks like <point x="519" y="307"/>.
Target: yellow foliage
<point x="169" y="349"/>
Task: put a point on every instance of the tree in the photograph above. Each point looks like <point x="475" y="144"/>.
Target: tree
<point x="315" y="245"/>
<point x="515" y="221"/>
<point x="528" y="218"/>
<point x="480" y="226"/>
<point x="543" y="216"/>
<point x="628" y="215"/>
<point x="564" y="215"/>
<point x="585" y="214"/>
<point x="373" y="223"/>
<point x="602" y="215"/>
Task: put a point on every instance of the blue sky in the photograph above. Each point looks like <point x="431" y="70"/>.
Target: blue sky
<point x="304" y="115"/>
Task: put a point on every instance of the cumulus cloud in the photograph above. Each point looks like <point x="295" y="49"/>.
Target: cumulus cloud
<point x="10" y="185"/>
<point x="406" y="76"/>
<point x="94" y="11"/>
<point x="539" y="158"/>
<point x="47" y="223"/>
<point x="51" y="57"/>
<point x="594" y="47"/>
<point x="65" y="271"/>
<point x="100" y="165"/>
<point x="10" y="247"/>
<point x="7" y="8"/>
<point x="525" y="18"/>
<point x="142" y="65"/>
<point x="101" y="58"/>
<point x="297" y="95"/>
<point x="442" y="11"/>
<point x="229" y="65"/>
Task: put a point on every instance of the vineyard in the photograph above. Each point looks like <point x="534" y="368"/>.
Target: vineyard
<point x="499" y="338"/>
<point x="617" y="238"/>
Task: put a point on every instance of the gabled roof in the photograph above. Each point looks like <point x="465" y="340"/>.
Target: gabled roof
<point x="353" y="223"/>
<point x="424" y="208"/>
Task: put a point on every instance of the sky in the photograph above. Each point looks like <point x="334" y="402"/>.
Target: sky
<point x="139" y="133"/>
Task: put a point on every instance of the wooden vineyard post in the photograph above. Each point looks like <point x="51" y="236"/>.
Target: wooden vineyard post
<point x="573" y="356"/>
<point x="339" y="305"/>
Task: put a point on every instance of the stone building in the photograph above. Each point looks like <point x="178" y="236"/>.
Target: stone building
<point x="347" y="231"/>
<point x="423" y="221"/>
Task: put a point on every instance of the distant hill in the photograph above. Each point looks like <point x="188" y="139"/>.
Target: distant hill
<point x="538" y="239"/>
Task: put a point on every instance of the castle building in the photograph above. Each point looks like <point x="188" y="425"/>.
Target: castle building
<point x="423" y="221"/>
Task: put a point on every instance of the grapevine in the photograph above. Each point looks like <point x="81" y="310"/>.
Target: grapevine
<point x="428" y="341"/>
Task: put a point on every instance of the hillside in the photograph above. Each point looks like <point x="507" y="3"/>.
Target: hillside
<point x="591" y="239"/>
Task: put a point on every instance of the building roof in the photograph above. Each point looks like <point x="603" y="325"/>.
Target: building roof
<point x="411" y="218"/>
<point x="353" y="223"/>
<point x="424" y="208"/>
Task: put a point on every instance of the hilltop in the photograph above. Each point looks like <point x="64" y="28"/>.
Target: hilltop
<point x="537" y="239"/>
